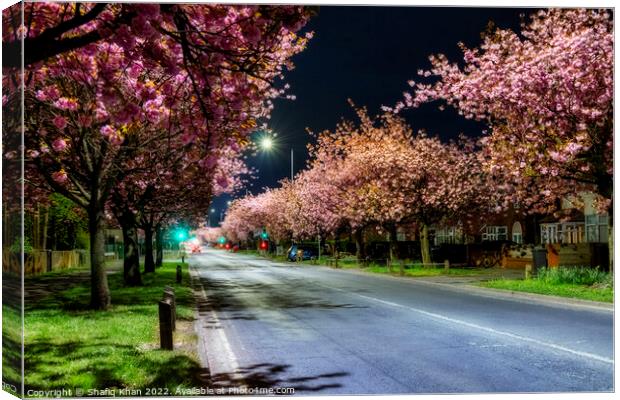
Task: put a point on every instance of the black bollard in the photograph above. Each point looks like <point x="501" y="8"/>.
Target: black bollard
<point x="179" y="274"/>
<point x="165" y="325"/>
<point x="169" y="296"/>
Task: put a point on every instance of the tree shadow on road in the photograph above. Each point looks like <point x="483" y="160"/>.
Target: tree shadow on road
<point x="269" y="375"/>
<point x="225" y="295"/>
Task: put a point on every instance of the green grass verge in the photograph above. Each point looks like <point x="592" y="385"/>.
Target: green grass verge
<point x="351" y="263"/>
<point x="70" y="346"/>
<point x="11" y="349"/>
<point x="415" y="270"/>
<point x="605" y="294"/>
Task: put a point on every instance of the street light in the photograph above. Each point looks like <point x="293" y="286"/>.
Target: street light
<point x="267" y="143"/>
<point x="212" y="212"/>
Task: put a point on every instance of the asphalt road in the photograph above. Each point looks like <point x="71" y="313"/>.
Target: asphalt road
<point x="326" y="331"/>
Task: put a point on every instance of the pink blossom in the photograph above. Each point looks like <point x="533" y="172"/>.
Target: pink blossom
<point x="65" y="103"/>
<point x="60" y="176"/>
<point x="107" y="131"/>
<point x="59" y="145"/>
<point x="60" y="122"/>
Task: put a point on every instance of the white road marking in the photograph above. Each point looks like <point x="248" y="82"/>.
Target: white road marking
<point x="479" y="327"/>
<point x="224" y="356"/>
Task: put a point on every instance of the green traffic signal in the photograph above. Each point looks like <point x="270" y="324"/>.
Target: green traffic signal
<point x="180" y="234"/>
<point x="264" y="235"/>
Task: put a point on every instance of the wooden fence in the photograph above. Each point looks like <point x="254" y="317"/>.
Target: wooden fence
<point x="41" y="261"/>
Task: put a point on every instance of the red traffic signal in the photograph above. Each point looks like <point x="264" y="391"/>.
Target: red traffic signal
<point x="227" y="246"/>
<point x="263" y="245"/>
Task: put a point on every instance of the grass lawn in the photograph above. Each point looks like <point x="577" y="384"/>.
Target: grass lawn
<point x="573" y="290"/>
<point x="351" y="263"/>
<point x="425" y="271"/>
<point x="415" y="270"/>
<point x="11" y="348"/>
<point x="69" y="346"/>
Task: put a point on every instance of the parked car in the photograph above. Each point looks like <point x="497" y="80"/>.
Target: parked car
<point x="308" y="252"/>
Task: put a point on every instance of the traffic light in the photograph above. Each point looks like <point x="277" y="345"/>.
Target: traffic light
<point x="180" y="234"/>
<point x="221" y="240"/>
<point x="263" y="245"/>
<point x="264" y="235"/>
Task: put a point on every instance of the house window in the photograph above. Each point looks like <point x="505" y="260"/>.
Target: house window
<point x="517" y="233"/>
<point x="549" y="233"/>
<point x="493" y="233"/>
<point x="596" y="228"/>
<point x="449" y="235"/>
<point x="562" y="232"/>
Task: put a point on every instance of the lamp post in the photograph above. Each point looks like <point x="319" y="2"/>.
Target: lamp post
<point x="266" y="143"/>
<point x="291" y="164"/>
<point x="212" y="212"/>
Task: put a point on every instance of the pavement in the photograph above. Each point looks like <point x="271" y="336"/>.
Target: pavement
<point x="325" y="331"/>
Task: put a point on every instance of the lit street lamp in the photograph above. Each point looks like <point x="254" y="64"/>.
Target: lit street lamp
<point x="212" y="212"/>
<point x="267" y="143"/>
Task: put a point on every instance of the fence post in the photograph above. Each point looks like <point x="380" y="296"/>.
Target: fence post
<point x="528" y="271"/>
<point x="165" y="324"/>
<point x="179" y="274"/>
<point x="48" y="260"/>
<point x="169" y="295"/>
<point x="446" y="265"/>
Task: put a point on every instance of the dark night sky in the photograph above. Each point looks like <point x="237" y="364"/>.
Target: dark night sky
<point x="367" y="54"/>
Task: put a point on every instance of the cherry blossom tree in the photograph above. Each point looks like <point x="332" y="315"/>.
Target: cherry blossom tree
<point x="547" y="96"/>
<point x="82" y="129"/>
<point x="386" y="177"/>
<point x="91" y="109"/>
<point x="243" y="218"/>
<point x="210" y="234"/>
<point x="373" y="174"/>
<point x="186" y="194"/>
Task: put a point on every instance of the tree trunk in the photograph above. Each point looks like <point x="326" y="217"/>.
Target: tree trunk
<point x="610" y="231"/>
<point x="100" y="293"/>
<point x="360" y="248"/>
<point x="336" y="246"/>
<point x="149" y="262"/>
<point x="36" y="229"/>
<point x="131" y="261"/>
<point x="425" y="245"/>
<point x="393" y="249"/>
<point x="610" y="245"/>
<point x="159" y="246"/>
<point x="45" y="226"/>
